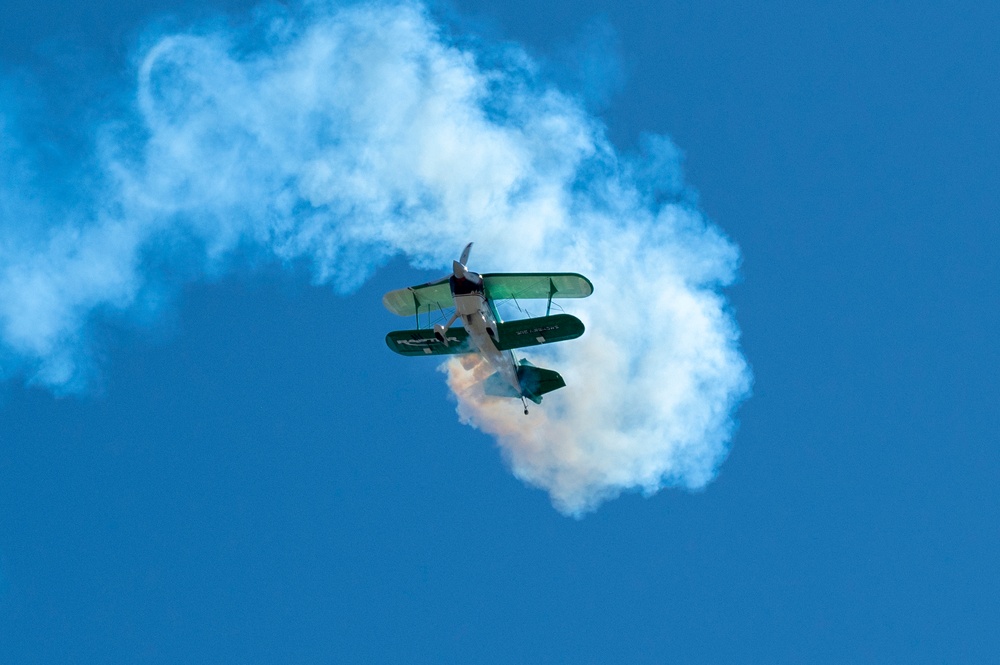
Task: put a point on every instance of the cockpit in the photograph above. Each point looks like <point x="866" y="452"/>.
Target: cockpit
<point x="463" y="287"/>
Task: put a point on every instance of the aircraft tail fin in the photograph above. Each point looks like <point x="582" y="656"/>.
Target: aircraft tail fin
<point x="535" y="382"/>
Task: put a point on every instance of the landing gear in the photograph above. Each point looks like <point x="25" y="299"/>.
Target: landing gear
<point x="440" y="330"/>
<point x="525" y="405"/>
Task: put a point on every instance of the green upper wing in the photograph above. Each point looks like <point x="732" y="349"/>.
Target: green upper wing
<point x="523" y="285"/>
<point x="424" y="343"/>
<point x="430" y="296"/>
<point x="541" y="330"/>
<point x="499" y="286"/>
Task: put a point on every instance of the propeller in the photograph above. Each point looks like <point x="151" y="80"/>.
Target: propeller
<point x="465" y="254"/>
<point x="459" y="269"/>
<point x="461" y="272"/>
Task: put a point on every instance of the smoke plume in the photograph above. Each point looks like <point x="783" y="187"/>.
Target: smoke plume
<point x="345" y="135"/>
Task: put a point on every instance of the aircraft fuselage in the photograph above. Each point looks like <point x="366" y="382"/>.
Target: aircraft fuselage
<point x="473" y="308"/>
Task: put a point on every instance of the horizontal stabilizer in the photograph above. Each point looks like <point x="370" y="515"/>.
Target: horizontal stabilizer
<point x="542" y="330"/>
<point x="535" y="382"/>
<point x="424" y="343"/>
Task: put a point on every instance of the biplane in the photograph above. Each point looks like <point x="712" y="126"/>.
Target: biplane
<point x="474" y="298"/>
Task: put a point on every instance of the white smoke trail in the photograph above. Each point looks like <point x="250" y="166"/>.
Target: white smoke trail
<point x="347" y="135"/>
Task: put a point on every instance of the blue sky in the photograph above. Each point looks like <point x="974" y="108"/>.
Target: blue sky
<point x="247" y="474"/>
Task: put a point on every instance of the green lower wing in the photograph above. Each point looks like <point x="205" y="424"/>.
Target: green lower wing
<point x="424" y="343"/>
<point x="541" y="330"/>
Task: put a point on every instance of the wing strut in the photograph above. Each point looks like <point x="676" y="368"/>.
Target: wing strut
<point x="552" y="292"/>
